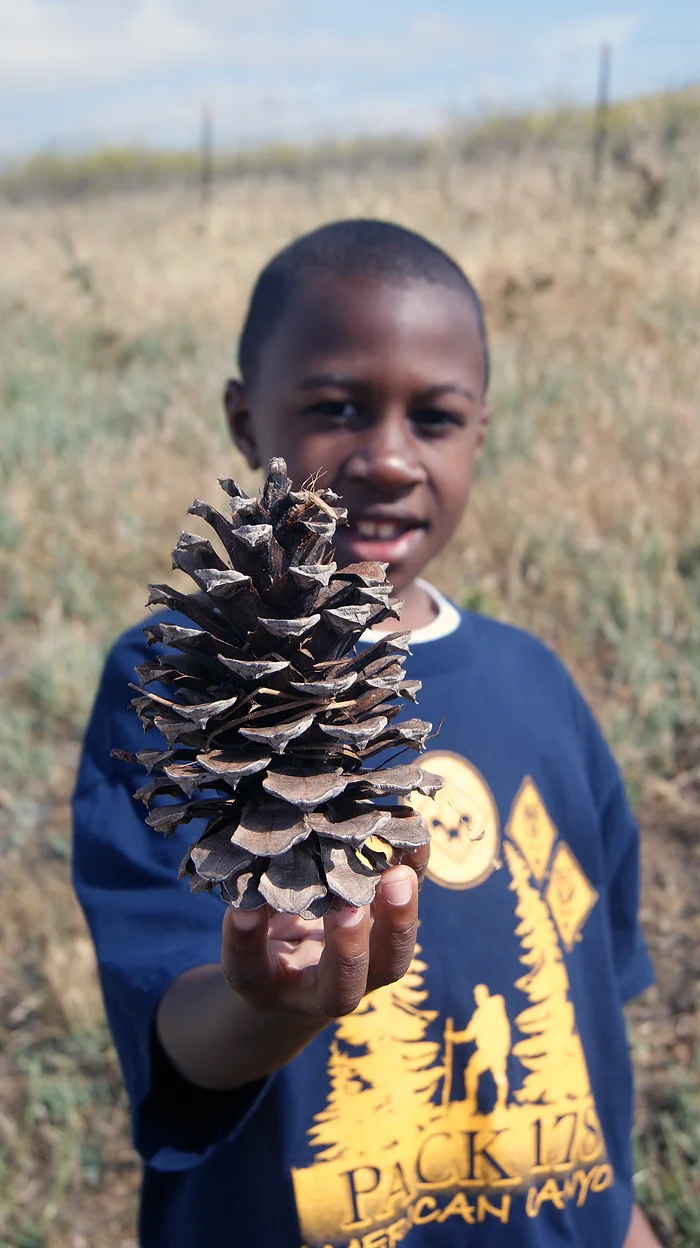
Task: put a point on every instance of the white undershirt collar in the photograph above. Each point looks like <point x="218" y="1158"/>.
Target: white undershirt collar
<point x="446" y="621"/>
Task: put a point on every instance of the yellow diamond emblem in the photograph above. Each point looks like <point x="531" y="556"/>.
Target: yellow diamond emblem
<point x="569" y="895"/>
<point x="531" y="828"/>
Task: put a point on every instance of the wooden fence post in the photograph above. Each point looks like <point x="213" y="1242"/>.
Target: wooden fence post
<point x="600" y="133"/>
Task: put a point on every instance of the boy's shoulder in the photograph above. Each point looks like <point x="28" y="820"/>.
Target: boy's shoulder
<point x="506" y="672"/>
<point x="131" y="646"/>
<point x="513" y="658"/>
<point x="499" y="647"/>
<point x="113" y="722"/>
<point x="508" y="639"/>
<point x="516" y="674"/>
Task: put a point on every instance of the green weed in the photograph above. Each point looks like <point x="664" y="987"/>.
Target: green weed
<point x="668" y="1163"/>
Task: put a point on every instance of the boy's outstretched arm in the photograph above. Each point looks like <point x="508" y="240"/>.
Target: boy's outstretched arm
<point x="640" y="1234"/>
<point x="282" y="980"/>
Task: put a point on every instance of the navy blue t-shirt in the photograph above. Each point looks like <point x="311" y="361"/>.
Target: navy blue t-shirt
<point x="486" y="1098"/>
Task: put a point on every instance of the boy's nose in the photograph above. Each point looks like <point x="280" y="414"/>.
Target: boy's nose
<point x="385" y="459"/>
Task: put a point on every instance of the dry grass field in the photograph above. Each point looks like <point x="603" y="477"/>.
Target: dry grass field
<point x="119" y="318"/>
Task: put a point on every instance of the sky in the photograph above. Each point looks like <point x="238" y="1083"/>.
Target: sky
<point x="76" y="73"/>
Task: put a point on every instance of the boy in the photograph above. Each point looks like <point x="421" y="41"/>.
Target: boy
<point x="328" y="1083"/>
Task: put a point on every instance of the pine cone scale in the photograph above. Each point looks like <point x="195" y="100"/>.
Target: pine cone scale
<point x="347" y="876"/>
<point x="306" y="791"/>
<point x="233" y="765"/>
<point x="217" y="858"/>
<point x="291" y="883"/>
<point x="269" y="827"/>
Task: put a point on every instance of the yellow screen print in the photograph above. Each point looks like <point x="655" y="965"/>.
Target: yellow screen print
<point x="401" y="1141"/>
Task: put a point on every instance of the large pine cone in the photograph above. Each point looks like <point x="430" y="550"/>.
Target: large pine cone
<point x="272" y="709"/>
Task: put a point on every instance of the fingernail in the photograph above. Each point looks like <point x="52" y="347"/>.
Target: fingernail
<point x="347" y="916"/>
<point x="397" y="892"/>
<point x="246" y="920"/>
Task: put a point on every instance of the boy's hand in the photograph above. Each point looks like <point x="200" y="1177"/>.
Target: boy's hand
<point x="290" y="978"/>
<point x="322" y="969"/>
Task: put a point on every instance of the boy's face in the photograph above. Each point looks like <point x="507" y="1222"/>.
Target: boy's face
<point x="379" y="386"/>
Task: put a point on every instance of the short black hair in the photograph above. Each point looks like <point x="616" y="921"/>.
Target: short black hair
<point x="348" y="249"/>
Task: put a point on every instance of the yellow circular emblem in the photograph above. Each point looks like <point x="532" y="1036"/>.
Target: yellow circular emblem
<point x="463" y="820"/>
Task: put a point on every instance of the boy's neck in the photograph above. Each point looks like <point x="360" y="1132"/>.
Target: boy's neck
<point x="419" y="609"/>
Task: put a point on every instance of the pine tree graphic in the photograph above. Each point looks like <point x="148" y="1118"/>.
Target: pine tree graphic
<point x="552" y="1051"/>
<point x="387" y="1089"/>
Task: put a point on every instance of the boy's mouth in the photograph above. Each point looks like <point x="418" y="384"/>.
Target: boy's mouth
<point x="381" y="539"/>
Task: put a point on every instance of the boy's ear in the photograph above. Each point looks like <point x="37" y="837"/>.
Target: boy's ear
<point x="485" y="416"/>
<point x="238" y="419"/>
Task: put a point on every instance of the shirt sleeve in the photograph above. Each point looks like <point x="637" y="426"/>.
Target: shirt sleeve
<point x="147" y="928"/>
<point x="621" y="838"/>
<point x="621" y="848"/>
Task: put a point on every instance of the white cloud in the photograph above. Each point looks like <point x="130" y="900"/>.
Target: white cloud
<point x="287" y="68"/>
<point x="588" y="33"/>
<point x="46" y="45"/>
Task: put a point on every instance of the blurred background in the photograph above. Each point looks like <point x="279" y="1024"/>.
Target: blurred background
<point x="153" y="155"/>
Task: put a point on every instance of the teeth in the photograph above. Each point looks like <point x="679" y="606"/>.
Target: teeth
<point x="379" y="530"/>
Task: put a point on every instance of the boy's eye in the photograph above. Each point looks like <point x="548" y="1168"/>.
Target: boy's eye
<point x="335" y="409"/>
<point x="429" y="421"/>
<point x="437" y="419"/>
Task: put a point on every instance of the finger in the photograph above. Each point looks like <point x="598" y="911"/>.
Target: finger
<point x="245" y="955"/>
<point x="417" y="860"/>
<point x="395" y="926"/>
<point x="341" y="980"/>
